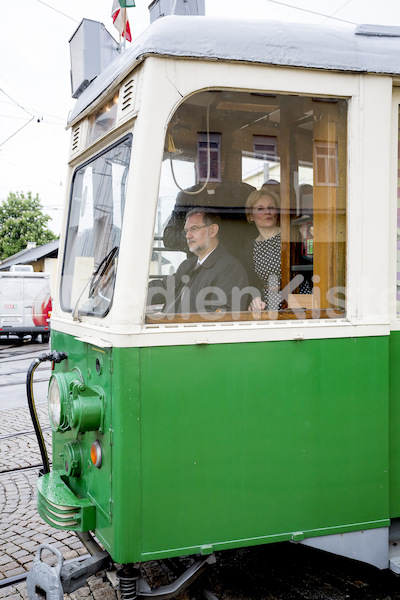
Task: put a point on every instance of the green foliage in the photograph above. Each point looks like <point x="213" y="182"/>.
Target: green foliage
<point x="22" y="221"/>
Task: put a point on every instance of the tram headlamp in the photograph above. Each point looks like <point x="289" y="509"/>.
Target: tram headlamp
<point x="73" y="405"/>
<point x="54" y="399"/>
<point x="58" y="400"/>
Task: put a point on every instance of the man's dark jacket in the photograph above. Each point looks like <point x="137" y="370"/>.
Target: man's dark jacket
<point x="220" y="270"/>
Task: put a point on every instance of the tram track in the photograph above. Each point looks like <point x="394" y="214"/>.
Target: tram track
<point x="21" y="469"/>
<point x="10" y="383"/>
<point x="24" y="371"/>
<point x="15" y="442"/>
<point x="16" y="344"/>
<point x="16" y="579"/>
<point x="10" y="581"/>
<point x="8" y="436"/>
<point x="10" y="358"/>
<point x="13" y="353"/>
<point x="14" y="359"/>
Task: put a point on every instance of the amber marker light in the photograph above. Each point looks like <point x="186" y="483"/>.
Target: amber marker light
<point x="96" y="454"/>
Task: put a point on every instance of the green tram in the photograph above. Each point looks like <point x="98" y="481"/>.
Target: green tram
<point x="181" y="433"/>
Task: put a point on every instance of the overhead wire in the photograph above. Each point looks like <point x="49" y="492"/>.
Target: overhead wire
<point x="313" y="12"/>
<point x="16" y="103"/>
<point x="336" y="11"/>
<point x="20" y="105"/>
<point x="24" y="125"/>
<point x="273" y="1"/>
<point x="17" y="131"/>
<point x="12" y="117"/>
<point x="39" y="118"/>
<point x="61" y="121"/>
<point x="59" y="11"/>
<point x="10" y="163"/>
<point x="27" y="109"/>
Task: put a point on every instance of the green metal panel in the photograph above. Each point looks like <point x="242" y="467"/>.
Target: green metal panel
<point x="226" y="445"/>
<point x="94" y="365"/>
<point x="394" y="379"/>
<point x="247" y="443"/>
<point x="126" y="483"/>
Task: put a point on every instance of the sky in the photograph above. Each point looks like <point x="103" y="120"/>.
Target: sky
<point x="35" y="87"/>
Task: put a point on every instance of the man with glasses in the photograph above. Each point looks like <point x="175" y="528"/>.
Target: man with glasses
<point x="226" y="199"/>
<point x="210" y="281"/>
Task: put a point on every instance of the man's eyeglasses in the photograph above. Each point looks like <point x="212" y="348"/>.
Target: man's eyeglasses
<point x="192" y="229"/>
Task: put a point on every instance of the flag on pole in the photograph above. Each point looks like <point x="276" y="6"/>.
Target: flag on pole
<point x="120" y="20"/>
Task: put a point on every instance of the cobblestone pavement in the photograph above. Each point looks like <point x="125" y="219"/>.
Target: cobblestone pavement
<point x="21" y="528"/>
<point x="21" y="451"/>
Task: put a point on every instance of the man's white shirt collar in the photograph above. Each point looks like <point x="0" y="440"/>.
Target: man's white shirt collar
<point x="200" y="262"/>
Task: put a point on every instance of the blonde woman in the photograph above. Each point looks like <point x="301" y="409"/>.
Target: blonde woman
<point x="262" y="256"/>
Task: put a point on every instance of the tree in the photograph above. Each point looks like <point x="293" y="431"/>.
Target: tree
<point x="22" y="221"/>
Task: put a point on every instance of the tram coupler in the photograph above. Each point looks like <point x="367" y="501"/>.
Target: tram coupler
<point x="139" y="589"/>
<point x="46" y="582"/>
<point x="75" y="574"/>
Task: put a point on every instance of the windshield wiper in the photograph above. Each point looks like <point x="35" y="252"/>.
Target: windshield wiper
<point x="94" y="279"/>
<point x="101" y="270"/>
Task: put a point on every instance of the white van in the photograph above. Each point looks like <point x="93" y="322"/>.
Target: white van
<point x="25" y="303"/>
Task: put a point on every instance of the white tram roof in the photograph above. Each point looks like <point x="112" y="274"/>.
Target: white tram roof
<point x="367" y="49"/>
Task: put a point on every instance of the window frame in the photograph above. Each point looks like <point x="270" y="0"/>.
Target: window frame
<point x="77" y="168"/>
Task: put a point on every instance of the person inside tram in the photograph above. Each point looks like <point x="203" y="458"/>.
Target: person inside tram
<point x="262" y="255"/>
<point x="271" y="185"/>
<point x="227" y="199"/>
<point x="209" y="281"/>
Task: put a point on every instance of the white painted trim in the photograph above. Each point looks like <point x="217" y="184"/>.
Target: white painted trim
<point x="368" y="211"/>
<point x="395" y="319"/>
<point x="220" y="333"/>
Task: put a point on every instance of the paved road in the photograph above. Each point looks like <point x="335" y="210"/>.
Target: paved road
<point x="21" y="528"/>
<point x="15" y="359"/>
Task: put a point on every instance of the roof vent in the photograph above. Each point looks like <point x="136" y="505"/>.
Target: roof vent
<point x="162" y="8"/>
<point x="92" y="49"/>
<point x="378" y="30"/>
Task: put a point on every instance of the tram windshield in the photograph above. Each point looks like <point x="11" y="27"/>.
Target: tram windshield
<point x="267" y="175"/>
<point x="94" y="231"/>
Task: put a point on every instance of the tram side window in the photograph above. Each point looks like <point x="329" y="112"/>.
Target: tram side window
<point x="265" y="175"/>
<point x="94" y="230"/>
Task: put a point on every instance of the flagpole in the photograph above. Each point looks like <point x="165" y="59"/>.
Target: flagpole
<point x="125" y="20"/>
